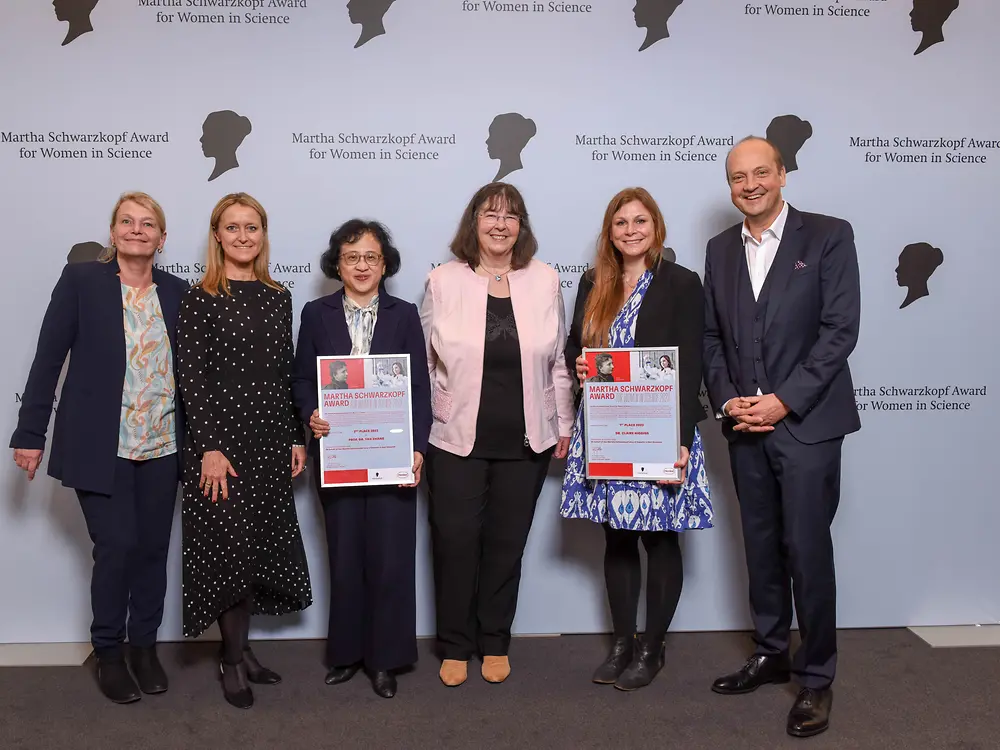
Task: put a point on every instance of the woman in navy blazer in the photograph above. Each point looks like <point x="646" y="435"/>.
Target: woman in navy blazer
<point x="118" y="431"/>
<point x="370" y="530"/>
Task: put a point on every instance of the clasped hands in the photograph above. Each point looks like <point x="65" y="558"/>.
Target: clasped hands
<point x="583" y="371"/>
<point x="756" y="413"/>
<point x="321" y="428"/>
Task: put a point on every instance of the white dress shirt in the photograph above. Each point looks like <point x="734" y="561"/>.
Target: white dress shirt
<point x="760" y="256"/>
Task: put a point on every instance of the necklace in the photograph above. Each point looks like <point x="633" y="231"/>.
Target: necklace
<point x="497" y="276"/>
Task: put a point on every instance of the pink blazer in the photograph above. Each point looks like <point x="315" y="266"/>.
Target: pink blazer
<point x="453" y="315"/>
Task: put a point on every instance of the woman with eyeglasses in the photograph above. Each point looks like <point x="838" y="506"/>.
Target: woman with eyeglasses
<point x="501" y="398"/>
<point x="370" y="531"/>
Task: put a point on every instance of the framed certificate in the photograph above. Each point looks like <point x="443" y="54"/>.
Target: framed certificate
<point x="631" y="411"/>
<point x="366" y="400"/>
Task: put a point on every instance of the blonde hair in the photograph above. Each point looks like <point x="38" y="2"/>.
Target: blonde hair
<point x="146" y="202"/>
<point x="608" y="293"/>
<point x="215" y="282"/>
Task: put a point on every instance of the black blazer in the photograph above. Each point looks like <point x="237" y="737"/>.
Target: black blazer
<point x="323" y="333"/>
<point x="811" y="325"/>
<point x="84" y="319"/>
<point x="672" y="314"/>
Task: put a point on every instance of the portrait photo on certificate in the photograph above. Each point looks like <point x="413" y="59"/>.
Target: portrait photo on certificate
<point x="631" y="413"/>
<point x="366" y="400"/>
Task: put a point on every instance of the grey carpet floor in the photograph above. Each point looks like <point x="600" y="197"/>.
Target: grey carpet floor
<point x="893" y="691"/>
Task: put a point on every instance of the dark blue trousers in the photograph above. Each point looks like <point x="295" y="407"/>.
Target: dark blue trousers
<point x="131" y="533"/>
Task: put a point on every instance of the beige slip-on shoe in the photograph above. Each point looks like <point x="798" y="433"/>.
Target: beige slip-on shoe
<point x="496" y="668"/>
<point x="453" y="672"/>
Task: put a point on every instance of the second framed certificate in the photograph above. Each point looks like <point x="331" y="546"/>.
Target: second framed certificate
<point x="366" y="400"/>
<point x="631" y="411"/>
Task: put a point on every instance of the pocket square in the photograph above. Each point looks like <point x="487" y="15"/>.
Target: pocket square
<point x="799" y="265"/>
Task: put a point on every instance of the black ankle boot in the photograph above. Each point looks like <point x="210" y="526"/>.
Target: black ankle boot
<point x="618" y="659"/>
<point x="647" y="663"/>
<point x="235" y="686"/>
<point x="116" y="681"/>
<point x="148" y="670"/>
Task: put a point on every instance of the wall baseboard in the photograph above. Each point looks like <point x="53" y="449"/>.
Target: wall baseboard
<point x="959" y="636"/>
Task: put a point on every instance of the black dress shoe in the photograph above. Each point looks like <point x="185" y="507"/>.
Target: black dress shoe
<point x="383" y="683"/>
<point x="618" y="659"/>
<point x="116" y="682"/>
<point x="759" y="670"/>
<point x="257" y="674"/>
<point x="811" y="713"/>
<point x="148" y="670"/>
<point x="645" y="666"/>
<point x="337" y="675"/>
<point x="235" y="686"/>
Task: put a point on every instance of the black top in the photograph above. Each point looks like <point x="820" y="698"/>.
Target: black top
<point x="500" y="430"/>
<point x="672" y="314"/>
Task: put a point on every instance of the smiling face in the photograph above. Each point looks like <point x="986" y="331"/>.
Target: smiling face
<point x="497" y="231"/>
<point x="755" y="180"/>
<point x="136" y="232"/>
<point x="361" y="265"/>
<point x="632" y="229"/>
<point x="240" y="234"/>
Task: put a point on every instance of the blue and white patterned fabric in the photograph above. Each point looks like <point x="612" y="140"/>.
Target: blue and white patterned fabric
<point x="635" y="505"/>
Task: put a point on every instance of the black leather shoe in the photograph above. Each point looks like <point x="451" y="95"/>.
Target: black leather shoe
<point x="759" y="670"/>
<point x="148" y="670"/>
<point x="116" y="682"/>
<point x="811" y="713"/>
<point x="235" y="686"/>
<point x="383" y="683"/>
<point x="337" y="675"/>
<point x="257" y="674"/>
<point x="645" y="666"/>
<point x="618" y="659"/>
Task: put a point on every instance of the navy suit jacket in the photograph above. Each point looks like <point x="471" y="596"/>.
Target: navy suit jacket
<point x="810" y="327"/>
<point x="84" y="320"/>
<point x="323" y="333"/>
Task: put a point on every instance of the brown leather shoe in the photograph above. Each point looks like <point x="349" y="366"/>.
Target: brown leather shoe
<point x="454" y="672"/>
<point x="496" y="668"/>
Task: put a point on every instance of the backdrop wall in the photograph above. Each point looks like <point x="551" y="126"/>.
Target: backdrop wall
<point x="882" y="108"/>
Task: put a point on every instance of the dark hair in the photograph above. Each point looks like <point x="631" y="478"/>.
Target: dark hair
<point x="601" y="358"/>
<point x="350" y="232"/>
<point x="493" y="197"/>
<point x="337" y="364"/>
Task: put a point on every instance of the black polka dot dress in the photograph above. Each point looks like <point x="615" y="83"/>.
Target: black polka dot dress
<point x="234" y="372"/>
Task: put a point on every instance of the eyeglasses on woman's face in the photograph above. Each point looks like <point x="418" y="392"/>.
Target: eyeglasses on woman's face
<point x="492" y="218"/>
<point x="352" y="258"/>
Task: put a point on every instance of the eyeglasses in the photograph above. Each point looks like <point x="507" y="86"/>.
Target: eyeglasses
<point x="491" y="217"/>
<point x="353" y="258"/>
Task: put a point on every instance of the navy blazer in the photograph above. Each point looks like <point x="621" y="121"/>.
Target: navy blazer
<point x="810" y="327"/>
<point x="84" y="319"/>
<point x="323" y="333"/>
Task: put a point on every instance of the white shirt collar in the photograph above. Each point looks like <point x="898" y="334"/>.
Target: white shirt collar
<point x="777" y="227"/>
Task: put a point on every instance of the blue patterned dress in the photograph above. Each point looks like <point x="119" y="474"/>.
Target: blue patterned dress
<point x="635" y="505"/>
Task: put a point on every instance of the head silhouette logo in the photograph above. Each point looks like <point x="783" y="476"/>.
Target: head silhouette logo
<point x="917" y="263"/>
<point x="369" y="14"/>
<point x="222" y="134"/>
<point x="928" y="17"/>
<point x="509" y="134"/>
<point x="77" y="14"/>
<point x="84" y="252"/>
<point x="652" y="15"/>
<point x="789" y="133"/>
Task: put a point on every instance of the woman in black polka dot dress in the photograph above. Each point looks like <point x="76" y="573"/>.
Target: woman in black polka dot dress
<point x="243" y="551"/>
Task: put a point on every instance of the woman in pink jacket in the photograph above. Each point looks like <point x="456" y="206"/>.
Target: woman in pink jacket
<point x="501" y="396"/>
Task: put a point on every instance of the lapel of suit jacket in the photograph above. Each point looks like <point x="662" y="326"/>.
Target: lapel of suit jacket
<point x="385" y="325"/>
<point x="735" y="258"/>
<point x="335" y="324"/>
<point x="789" y="251"/>
<point x="112" y="306"/>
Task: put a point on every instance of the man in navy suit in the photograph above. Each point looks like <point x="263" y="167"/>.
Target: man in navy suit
<point x="783" y="307"/>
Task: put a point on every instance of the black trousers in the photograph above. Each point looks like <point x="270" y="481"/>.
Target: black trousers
<point x="788" y="493"/>
<point x="131" y="533"/>
<point x="481" y="512"/>
<point x="371" y="536"/>
<point x="623" y="577"/>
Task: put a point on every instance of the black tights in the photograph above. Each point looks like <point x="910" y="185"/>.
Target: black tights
<point x="623" y="576"/>
<point x="234" y="624"/>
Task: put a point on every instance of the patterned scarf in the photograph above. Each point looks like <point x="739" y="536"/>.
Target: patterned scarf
<point x="361" y="323"/>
